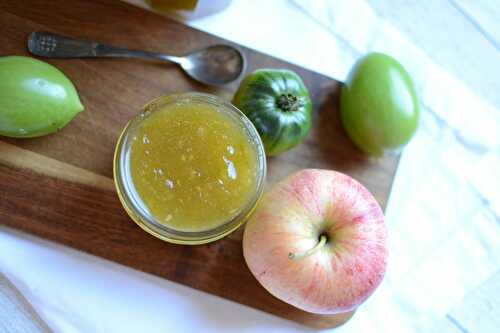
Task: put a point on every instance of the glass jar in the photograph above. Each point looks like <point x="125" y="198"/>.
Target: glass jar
<point x="137" y="208"/>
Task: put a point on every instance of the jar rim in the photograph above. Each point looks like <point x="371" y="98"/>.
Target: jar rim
<point x="129" y="197"/>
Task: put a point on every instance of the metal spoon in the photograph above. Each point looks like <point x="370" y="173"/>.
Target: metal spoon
<point x="214" y="65"/>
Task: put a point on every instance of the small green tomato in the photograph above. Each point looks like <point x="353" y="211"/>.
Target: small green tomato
<point x="35" y="98"/>
<point x="379" y="106"/>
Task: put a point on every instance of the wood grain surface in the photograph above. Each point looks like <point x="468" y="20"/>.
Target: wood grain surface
<point x="60" y="186"/>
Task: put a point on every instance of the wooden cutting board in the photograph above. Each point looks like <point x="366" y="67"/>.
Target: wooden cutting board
<point x="60" y="186"/>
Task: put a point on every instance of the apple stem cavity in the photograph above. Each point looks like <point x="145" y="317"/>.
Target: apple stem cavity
<point x="319" y="245"/>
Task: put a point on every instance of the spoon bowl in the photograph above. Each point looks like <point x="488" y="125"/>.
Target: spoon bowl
<point x="214" y="65"/>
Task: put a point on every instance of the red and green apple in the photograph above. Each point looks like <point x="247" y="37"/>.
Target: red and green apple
<point x="318" y="241"/>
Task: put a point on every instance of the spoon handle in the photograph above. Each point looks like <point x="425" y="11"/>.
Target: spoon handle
<point x="46" y="44"/>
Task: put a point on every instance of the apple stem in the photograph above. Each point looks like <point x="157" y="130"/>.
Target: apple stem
<point x="296" y="256"/>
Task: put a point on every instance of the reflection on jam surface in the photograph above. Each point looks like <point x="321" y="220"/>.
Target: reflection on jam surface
<point x="193" y="166"/>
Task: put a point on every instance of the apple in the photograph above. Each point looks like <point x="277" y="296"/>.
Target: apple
<point x="318" y="242"/>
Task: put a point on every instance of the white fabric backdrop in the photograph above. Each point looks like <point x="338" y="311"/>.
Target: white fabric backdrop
<point x="443" y="214"/>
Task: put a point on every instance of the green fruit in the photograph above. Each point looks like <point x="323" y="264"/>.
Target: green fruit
<point x="35" y="98"/>
<point x="278" y="104"/>
<point x="379" y="106"/>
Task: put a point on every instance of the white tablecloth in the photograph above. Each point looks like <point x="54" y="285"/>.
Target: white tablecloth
<point x="443" y="213"/>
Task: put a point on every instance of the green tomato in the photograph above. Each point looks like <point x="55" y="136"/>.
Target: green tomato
<point x="379" y="106"/>
<point x="35" y="98"/>
<point x="278" y="104"/>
